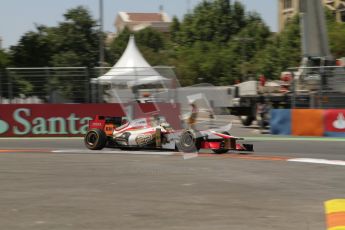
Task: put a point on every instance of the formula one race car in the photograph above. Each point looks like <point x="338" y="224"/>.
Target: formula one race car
<point x="156" y="133"/>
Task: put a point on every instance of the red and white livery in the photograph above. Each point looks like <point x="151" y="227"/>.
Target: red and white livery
<point x="156" y="133"/>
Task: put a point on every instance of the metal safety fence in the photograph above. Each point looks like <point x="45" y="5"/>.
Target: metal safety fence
<point x="45" y="85"/>
<point x="318" y="87"/>
<point x="84" y="85"/>
<point x="310" y="87"/>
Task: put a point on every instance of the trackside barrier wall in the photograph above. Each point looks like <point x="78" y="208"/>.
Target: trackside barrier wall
<point x="280" y="122"/>
<point x="60" y="120"/>
<point x="334" y="123"/>
<point x="308" y="122"/>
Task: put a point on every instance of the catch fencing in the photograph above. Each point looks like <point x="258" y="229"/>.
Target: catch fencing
<point x="45" y="85"/>
<point x="310" y="87"/>
<point x="81" y="84"/>
<point x="318" y="87"/>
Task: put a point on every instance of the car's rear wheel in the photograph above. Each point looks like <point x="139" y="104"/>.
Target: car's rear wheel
<point x="95" y="139"/>
<point x="189" y="141"/>
<point x="221" y="150"/>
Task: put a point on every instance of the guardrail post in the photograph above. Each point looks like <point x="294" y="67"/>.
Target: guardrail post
<point x="0" y="87"/>
<point x="10" y="87"/>
<point x="99" y="92"/>
<point x="321" y="92"/>
<point x="312" y="100"/>
<point x="293" y="86"/>
<point x="47" y="73"/>
<point x="87" y="84"/>
<point x="92" y="85"/>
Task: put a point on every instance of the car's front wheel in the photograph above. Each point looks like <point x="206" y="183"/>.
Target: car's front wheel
<point x="189" y="141"/>
<point x="95" y="139"/>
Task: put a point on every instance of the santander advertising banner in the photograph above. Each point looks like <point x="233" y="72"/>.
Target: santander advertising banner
<point x="34" y="120"/>
<point x="335" y="122"/>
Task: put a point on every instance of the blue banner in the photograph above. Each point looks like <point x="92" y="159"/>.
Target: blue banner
<point x="280" y="121"/>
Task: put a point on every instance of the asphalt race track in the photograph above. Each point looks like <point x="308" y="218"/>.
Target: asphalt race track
<point x="58" y="184"/>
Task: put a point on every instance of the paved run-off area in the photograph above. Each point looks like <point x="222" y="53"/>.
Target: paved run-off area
<point x="59" y="185"/>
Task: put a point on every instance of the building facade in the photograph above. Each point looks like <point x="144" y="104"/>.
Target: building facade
<point x="338" y="7"/>
<point x="138" y="21"/>
<point x="288" y="8"/>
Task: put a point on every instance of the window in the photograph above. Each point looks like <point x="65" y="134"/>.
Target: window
<point x="342" y="16"/>
<point x="341" y="12"/>
<point x="287" y="4"/>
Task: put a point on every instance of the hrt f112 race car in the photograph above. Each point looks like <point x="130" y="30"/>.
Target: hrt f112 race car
<point x="156" y="133"/>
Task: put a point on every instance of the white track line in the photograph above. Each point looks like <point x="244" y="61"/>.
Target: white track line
<point x="187" y="156"/>
<point x="109" y="151"/>
<point x="318" y="161"/>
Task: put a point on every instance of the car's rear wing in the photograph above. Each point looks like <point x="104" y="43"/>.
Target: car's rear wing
<point x="105" y="123"/>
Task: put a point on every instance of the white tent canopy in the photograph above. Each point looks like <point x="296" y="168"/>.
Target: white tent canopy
<point x="131" y="69"/>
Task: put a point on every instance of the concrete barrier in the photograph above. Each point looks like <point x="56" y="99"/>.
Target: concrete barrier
<point x="334" y="120"/>
<point x="280" y="122"/>
<point x="308" y="122"/>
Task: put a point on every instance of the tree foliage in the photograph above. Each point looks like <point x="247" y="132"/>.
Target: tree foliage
<point x="4" y="59"/>
<point x="77" y="39"/>
<point x="34" y="49"/>
<point x="282" y="51"/>
<point x="73" y="42"/>
<point x="336" y="32"/>
<point x="216" y="42"/>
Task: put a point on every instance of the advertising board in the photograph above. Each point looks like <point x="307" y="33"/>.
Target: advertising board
<point x="35" y="120"/>
<point x="60" y="120"/>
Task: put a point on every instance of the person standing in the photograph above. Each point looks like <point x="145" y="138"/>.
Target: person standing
<point x="193" y="116"/>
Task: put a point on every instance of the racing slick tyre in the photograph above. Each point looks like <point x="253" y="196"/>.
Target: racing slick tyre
<point x="189" y="141"/>
<point x="247" y="120"/>
<point x="95" y="139"/>
<point x="221" y="150"/>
